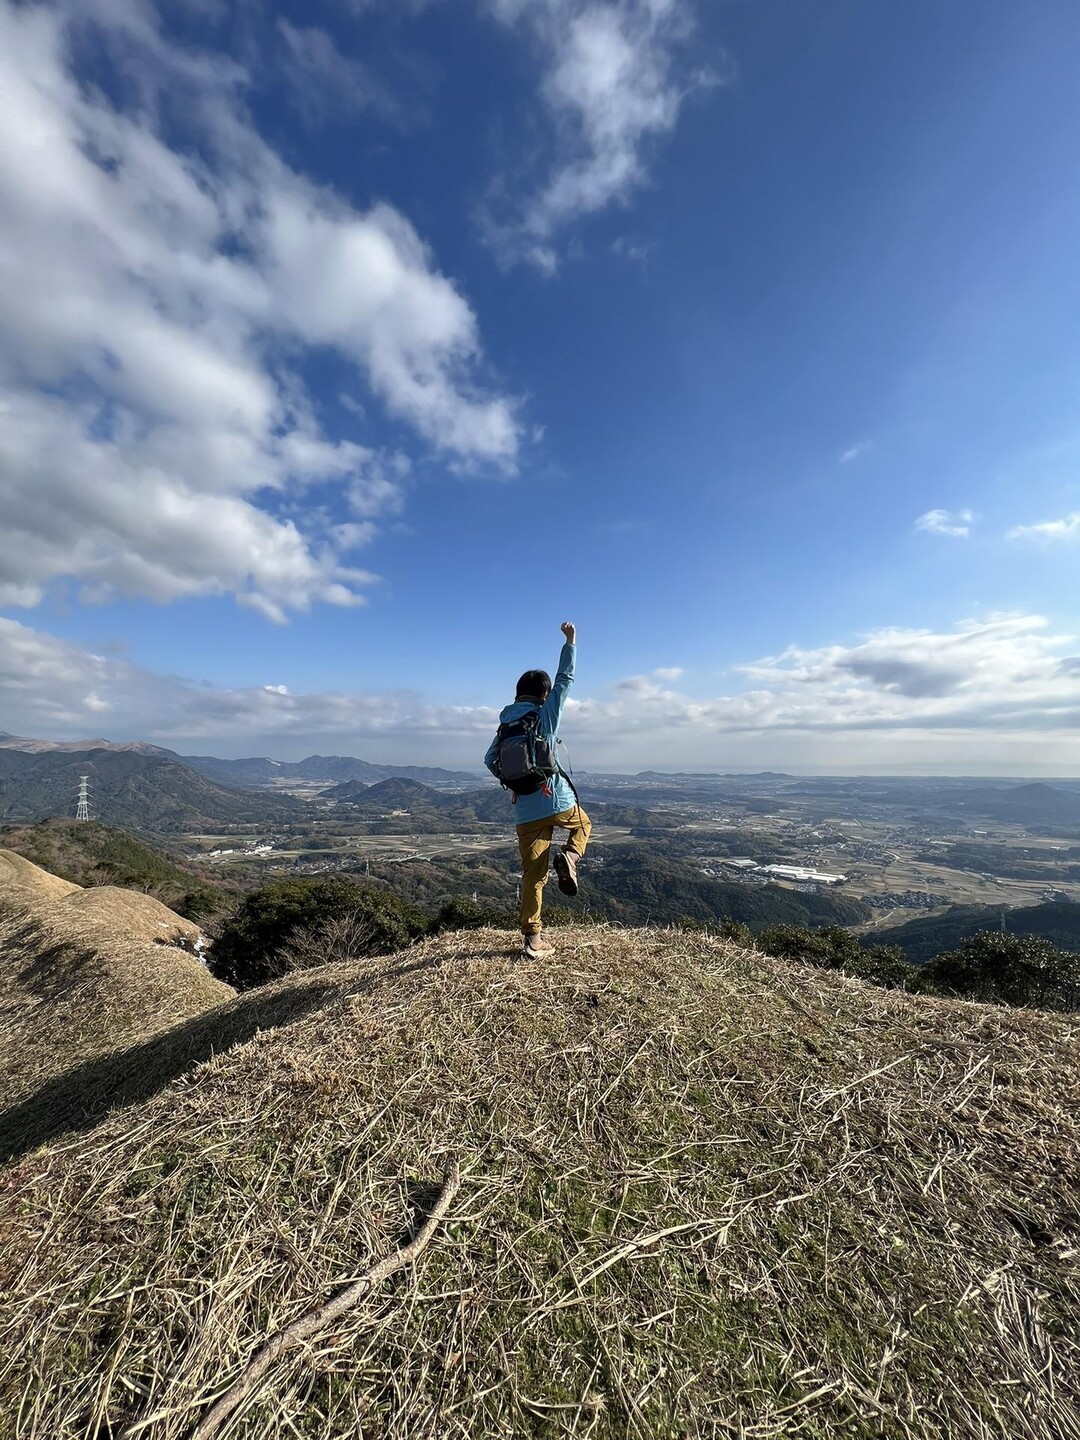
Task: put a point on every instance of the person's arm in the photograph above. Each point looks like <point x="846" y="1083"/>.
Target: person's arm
<point x="489" y="758"/>
<point x="551" y="711"/>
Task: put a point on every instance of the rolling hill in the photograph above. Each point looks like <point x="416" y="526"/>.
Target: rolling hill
<point x="491" y="805"/>
<point x="921" y="939"/>
<point x="1032" y="804"/>
<point x="138" y="789"/>
<point x="426" y="806"/>
<point x="639" y="886"/>
<point x="86" y="972"/>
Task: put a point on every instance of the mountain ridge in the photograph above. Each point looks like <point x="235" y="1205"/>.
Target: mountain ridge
<point x="257" y="771"/>
<point x="30" y="746"/>
<point x="149" y="791"/>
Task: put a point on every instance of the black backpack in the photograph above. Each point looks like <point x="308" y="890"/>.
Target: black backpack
<point x="524" y="760"/>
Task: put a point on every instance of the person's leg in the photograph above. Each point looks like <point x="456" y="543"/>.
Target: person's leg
<point x="566" y="861"/>
<point x="580" y="828"/>
<point x="534" y="844"/>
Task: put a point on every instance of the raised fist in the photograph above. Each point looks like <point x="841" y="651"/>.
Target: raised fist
<point x="570" y="631"/>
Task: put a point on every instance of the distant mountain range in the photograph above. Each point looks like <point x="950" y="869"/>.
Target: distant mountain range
<point x="257" y="773"/>
<point x="1034" y="804"/>
<point x="71" y="747"/>
<point x="712" y="775"/>
<point x="1018" y="802"/>
<point x="145" y="787"/>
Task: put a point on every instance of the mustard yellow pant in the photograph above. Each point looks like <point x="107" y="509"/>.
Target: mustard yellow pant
<point x="534" y="842"/>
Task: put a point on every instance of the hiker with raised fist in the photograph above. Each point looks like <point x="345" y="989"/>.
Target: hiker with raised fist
<point x="523" y="756"/>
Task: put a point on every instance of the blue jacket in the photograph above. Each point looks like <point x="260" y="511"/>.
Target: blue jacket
<point x="540" y="805"/>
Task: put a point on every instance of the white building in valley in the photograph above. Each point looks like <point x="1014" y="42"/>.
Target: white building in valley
<point x="800" y="873"/>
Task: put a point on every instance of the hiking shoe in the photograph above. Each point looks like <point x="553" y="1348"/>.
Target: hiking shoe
<point x="566" y="871"/>
<point x="535" y="948"/>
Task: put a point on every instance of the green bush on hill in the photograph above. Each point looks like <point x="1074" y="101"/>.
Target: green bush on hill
<point x="991" y="967"/>
<point x="462" y="913"/>
<point x="293" y="924"/>
<point x="833" y="948"/>
<point x="1005" y="970"/>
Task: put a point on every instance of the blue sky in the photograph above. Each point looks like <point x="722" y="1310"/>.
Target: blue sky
<point x="346" y="349"/>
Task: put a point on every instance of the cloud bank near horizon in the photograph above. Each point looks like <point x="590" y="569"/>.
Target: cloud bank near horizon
<point x="1000" y="695"/>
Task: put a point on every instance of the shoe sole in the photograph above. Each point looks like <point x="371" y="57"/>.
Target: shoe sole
<point x="567" y="884"/>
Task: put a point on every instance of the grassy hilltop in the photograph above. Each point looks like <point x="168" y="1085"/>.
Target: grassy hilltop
<point x="85" y="974"/>
<point x="706" y="1193"/>
<point x="89" y="853"/>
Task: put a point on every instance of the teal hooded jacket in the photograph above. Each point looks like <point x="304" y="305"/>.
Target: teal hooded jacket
<point x="556" y="796"/>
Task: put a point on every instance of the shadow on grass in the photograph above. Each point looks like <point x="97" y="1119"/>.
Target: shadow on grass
<point x="76" y="1100"/>
<point x="52" y="965"/>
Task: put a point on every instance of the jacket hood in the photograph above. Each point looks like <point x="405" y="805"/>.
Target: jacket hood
<point x="517" y="710"/>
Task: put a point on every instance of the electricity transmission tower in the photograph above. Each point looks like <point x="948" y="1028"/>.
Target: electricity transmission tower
<point x="83" y="812"/>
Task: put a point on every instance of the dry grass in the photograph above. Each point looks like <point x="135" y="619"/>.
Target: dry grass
<point x="87" y="973"/>
<point x="123" y="914"/>
<point x="705" y="1194"/>
<point x="24" y="883"/>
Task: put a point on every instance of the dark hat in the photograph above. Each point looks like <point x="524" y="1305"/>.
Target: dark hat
<point x="534" y="685"/>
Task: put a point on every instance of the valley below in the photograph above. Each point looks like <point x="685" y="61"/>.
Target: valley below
<point x="865" y="852"/>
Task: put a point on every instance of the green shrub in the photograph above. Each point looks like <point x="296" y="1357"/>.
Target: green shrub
<point x="461" y="913"/>
<point x="737" y="931"/>
<point x="884" y="965"/>
<point x="293" y="924"/>
<point x="830" y="948"/>
<point x="1005" y="970"/>
<point x="833" y="948"/>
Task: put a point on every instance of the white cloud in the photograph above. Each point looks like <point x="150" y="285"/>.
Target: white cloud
<point x="155" y="436"/>
<point x="947" y="522"/>
<point x="854" y="451"/>
<point x="1067" y="528"/>
<point x="615" y="79"/>
<point x="1002" y="694"/>
<point x="325" y="84"/>
<point x="974" y="692"/>
<point x="50" y="687"/>
<point x="639" y="251"/>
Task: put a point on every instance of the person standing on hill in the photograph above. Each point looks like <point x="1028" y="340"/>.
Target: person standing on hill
<point x="523" y="757"/>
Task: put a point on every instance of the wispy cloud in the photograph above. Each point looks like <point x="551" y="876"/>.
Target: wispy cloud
<point x="326" y="84"/>
<point x="616" y="74"/>
<point x="157" y="431"/>
<point x="639" y="251"/>
<point x="947" y="522"/>
<point x="1067" y="528"/>
<point x="854" y="451"/>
